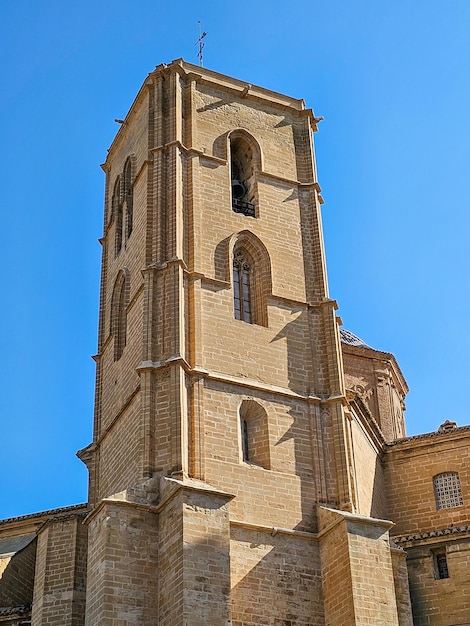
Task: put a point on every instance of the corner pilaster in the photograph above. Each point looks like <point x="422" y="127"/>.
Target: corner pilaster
<point x="357" y="570"/>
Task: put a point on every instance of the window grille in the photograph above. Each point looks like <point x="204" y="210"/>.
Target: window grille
<point x="447" y="490"/>
<point x="241" y="206"/>
<point x="441" y="569"/>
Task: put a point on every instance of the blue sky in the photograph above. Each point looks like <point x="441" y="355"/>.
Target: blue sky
<point x="391" y="80"/>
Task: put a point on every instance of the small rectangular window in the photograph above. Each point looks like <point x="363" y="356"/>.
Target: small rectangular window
<point x="441" y="569"/>
<point x="245" y="445"/>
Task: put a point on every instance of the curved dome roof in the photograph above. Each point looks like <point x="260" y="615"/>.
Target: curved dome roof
<point x="351" y="339"/>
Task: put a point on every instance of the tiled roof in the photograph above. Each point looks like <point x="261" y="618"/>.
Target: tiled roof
<point x="12" y="545"/>
<point x="438" y="434"/>
<point x="351" y="339"/>
<point x="51" y="512"/>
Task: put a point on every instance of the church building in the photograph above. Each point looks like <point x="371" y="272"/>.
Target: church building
<point x="249" y="463"/>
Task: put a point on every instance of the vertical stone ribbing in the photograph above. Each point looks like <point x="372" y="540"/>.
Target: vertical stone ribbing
<point x="196" y="415"/>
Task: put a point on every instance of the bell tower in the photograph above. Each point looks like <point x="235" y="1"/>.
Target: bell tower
<point x="220" y="422"/>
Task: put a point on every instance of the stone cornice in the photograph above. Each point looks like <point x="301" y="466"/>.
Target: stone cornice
<point x="227" y="83"/>
<point x="225" y="378"/>
<point x="203" y="76"/>
<point x="15" y="611"/>
<point x="40" y="517"/>
<point x="432" y="534"/>
<point x="337" y="516"/>
<point x="115" y="501"/>
<point x="274" y="530"/>
<point x="428" y="438"/>
<point x="170" y="487"/>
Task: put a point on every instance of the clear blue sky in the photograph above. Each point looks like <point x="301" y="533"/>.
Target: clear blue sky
<point x="391" y="80"/>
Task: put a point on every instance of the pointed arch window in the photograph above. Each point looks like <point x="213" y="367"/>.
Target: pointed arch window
<point x="242" y="286"/>
<point x="243" y="166"/>
<point x="116" y="198"/>
<point x="122" y="206"/>
<point x="119" y="316"/>
<point x="250" y="273"/>
<point x="128" y="197"/>
<point x="117" y="216"/>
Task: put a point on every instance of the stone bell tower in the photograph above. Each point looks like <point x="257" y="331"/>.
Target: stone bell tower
<point x="220" y="421"/>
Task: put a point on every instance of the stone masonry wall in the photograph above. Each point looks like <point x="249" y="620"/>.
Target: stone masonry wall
<point x="357" y="568"/>
<point x="402" y="587"/>
<point x="194" y="556"/>
<point x="370" y="488"/>
<point x="410" y="466"/>
<point x="122" y="565"/>
<point x="276" y="579"/>
<point x="17" y="577"/>
<point x="440" y="602"/>
<point x="59" y="590"/>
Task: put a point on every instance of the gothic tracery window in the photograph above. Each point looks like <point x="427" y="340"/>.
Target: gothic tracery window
<point x="242" y="289"/>
<point x="122" y="206"/>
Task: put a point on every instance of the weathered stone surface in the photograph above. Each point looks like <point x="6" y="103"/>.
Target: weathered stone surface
<point x="244" y="462"/>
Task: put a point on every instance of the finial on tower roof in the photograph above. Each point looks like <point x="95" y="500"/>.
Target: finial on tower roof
<point x="200" y="42"/>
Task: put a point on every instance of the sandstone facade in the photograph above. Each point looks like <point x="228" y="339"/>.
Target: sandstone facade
<point x="249" y="463"/>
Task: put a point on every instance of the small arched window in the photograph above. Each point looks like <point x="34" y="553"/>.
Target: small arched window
<point x="243" y="166"/>
<point x="447" y="490"/>
<point x="119" y="316"/>
<point x="254" y="434"/>
<point x="128" y="197"/>
<point x="116" y="199"/>
<point x="242" y="288"/>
